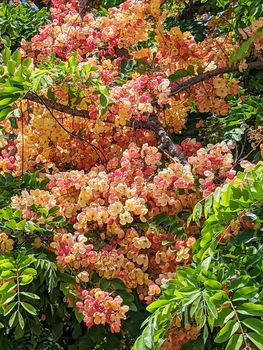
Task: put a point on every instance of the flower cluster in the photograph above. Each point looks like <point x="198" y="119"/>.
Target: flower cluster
<point x="72" y="252"/>
<point x="101" y="205"/>
<point x="107" y="42"/>
<point x="213" y="165"/>
<point x="253" y="31"/>
<point x="98" y="307"/>
<point x="178" y="335"/>
<point x="6" y="243"/>
<point x="7" y="157"/>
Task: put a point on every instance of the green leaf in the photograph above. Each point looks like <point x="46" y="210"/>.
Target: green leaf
<point x="200" y="70"/>
<point x="118" y="284"/>
<point x="211" y="308"/>
<point x="8" y="298"/>
<point x="227" y="331"/>
<point x="254" y="324"/>
<point x="7" y="101"/>
<point x="180" y="73"/>
<point x="251" y="309"/>
<point x="26" y="280"/>
<point x="4" y="113"/>
<point x="256" y="339"/>
<point x="212" y="284"/>
<point x="103" y="100"/>
<point x="21" y="320"/>
<point x="9" y="90"/>
<point x="12" y="319"/>
<point x="158" y="303"/>
<point x="29" y="271"/>
<point x="166" y="242"/>
<point x="245" y="293"/>
<point x="190" y="70"/>
<point x="224" y="316"/>
<point x="9" y="308"/>
<point x="30" y="295"/>
<point x="197" y="212"/>
<point x="235" y="342"/>
<point x="29" y="308"/>
<point x="19" y="332"/>
<point x="240" y="53"/>
<point x="160" y="218"/>
<point x="16" y="56"/>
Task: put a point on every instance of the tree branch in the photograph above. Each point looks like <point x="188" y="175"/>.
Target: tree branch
<point x="56" y="105"/>
<point x="205" y="76"/>
<point x="166" y="143"/>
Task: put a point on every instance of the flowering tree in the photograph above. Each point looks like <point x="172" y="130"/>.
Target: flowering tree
<point x="122" y="131"/>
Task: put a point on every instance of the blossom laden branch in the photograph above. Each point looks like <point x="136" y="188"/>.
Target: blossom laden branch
<point x="166" y="143"/>
<point x="153" y="123"/>
<point x="175" y="90"/>
<point x="207" y="75"/>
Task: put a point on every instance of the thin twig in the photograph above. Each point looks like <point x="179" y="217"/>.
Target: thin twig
<point x="96" y="149"/>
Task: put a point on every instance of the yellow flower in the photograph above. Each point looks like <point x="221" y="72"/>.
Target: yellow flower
<point x="126" y="218"/>
<point x="115" y="208"/>
<point x="183" y="254"/>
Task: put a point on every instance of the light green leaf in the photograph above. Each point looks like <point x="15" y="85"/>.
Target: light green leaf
<point x="7" y="101"/>
<point x="211" y="308"/>
<point x="208" y="205"/>
<point x="139" y="344"/>
<point x="158" y="303"/>
<point x="7" y="266"/>
<point x="26" y="280"/>
<point x="195" y="306"/>
<point x="29" y="271"/>
<point x="227" y="331"/>
<point x="245" y="293"/>
<point x="251" y="309"/>
<point x="212" y="284"/>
